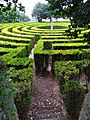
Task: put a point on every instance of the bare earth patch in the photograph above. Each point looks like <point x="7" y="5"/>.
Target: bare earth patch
<point x="47" y="103"/>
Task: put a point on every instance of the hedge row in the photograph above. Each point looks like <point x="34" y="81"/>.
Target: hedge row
<point x="36" y="30"/>
<point x="54" y="37"/>
<point x="6" y="32"/>
<point x="63" y="46"/>
<point x="21" y="74"/>
<point x="71" y="54"/>
<point x="20" y="63"/>
<point x="22" y="81"/>
<point x="44" y="26"/>
<point x="27" y="47"/>
<point x="71" y="70"/>
<point x="21" y="68"/>
<point x="68" y="75"/>
<point x="67" y="40"/>
<point x="15" y="39"/>
<point x="5" y="50"/>
<point x="12" y="44"/>
<point x="18" y="30"/>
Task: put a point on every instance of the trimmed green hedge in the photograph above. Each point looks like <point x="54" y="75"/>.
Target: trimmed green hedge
<point x="71" y="70"/>
<point x="14" y="39"/>
<point x="5" y="50"/>
<point x="8" y="44"/>
<point x="16" y="30"/>
<point x="73" y="94"/>
<point x="15" y="50"/>
<point x="70" y="54"/>
<point x="19" y="38"/>
<point x="20" y="63"/>
<point x="63" y="40"/>
<point x="54" y="37"/>
<point x="6" y="32"/>
<point x="63" y="46"/>
<point x="22" y="81"/>
<point x="26" y="48"/>
<point x="67" y="74"/>
<point x="64" y="71"/>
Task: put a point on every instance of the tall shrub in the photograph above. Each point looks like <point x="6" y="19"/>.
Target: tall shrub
<point x="73" y="94"/>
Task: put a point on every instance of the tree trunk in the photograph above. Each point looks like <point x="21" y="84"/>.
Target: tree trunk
<point x="51" y="24"/>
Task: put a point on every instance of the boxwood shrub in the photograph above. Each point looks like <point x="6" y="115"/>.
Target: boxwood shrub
<point x="57" y="55"/>
<point x="64" y="71"/>
<point x="67" y="74"/>
<point x="20" y="63"/>
<point x="71" y="70"/>
<point x="22" y="81"/>
<point x="73" y="94"/>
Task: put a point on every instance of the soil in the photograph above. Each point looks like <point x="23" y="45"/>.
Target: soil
<point x="47" y="102"/>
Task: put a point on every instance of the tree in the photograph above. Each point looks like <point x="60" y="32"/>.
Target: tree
<point x="13" y="16"/>
<point x="68" y="6"/>
<point x="41" y="11"/>
<point x="8" y="10"/>
<point x="82" y="16"/>
<point x="23" y="17"/>
<point x="9" y="16"/>
<point x="77" y="10"/>
<point x="7" y="5"/>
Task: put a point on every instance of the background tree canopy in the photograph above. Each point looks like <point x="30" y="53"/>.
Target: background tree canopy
<point x="7" y="5"/>
<point x="41" y="11"/>
<point x="77" y="10"/>
<point x="8" y="10"/>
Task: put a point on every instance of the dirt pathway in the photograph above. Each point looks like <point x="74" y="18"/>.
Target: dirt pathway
<point x="47" y="103"/>
<point x="31" y="55"/>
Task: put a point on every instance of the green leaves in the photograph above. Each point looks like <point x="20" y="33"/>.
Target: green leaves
<point x="41" y="11"/>
<point x="73" y="94"/>
<point x="67" y="74"/>
<point x="8" y="10"/>
<point x="6" y="92"/>
<point x="77" y="10"/>
<point x="14" y="1"/>
<point x="73" y="33"/>
<point x="87" y="37"/>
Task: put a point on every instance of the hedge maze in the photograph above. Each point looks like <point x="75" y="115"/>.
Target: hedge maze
<point x="69" y="58"/>
<point x="15" y="48"/>
<point x="58" y="46"/>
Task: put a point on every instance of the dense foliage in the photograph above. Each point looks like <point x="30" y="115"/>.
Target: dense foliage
<point x="6" y="94"/>
<point x="6" y="5"/>
<point x="41" y="11"/>
<point x="77" y="10"/>
<point x="8" y="10"/>
<point x="73" y="94"/>
<point x="14" y="48"/>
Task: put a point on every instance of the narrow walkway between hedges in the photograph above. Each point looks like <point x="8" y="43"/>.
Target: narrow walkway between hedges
<point x="47" y="103"/>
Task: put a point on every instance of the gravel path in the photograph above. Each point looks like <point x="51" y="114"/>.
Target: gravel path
<point x="47" y="103"/>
